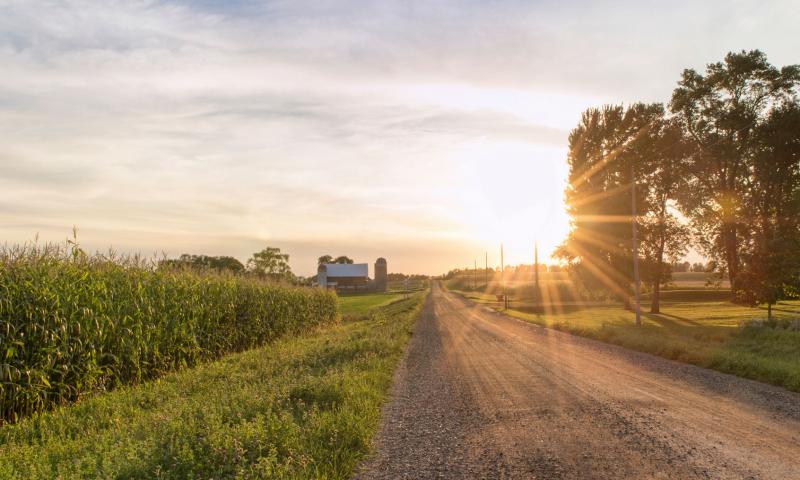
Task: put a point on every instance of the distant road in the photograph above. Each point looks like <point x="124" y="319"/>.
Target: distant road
<point x="481" y="395"/>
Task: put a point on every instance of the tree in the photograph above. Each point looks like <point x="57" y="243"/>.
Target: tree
<point x="770" y="265"/>
<point x="606" y="152"/>
<point x="721" y="112"/>
<point x="343" y="259"/>
<point x="324" y="259"/>
<point x="227" y="263"/>
<point x="270" y="263"/>
<point x="697" y="267"/>
<point x="664" y="238"/>
<point x="680" y="267"/>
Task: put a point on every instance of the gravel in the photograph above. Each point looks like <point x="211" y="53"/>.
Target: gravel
<point x="482" y="395"/>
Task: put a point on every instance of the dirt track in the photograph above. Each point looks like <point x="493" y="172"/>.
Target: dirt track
<point x="481" y="395"/>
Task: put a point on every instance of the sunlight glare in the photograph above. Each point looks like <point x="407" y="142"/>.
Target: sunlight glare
<point x="512" y="193"/>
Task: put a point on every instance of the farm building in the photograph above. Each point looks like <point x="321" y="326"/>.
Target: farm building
<point x="352" y="277"/>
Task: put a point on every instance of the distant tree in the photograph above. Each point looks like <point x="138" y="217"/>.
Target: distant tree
<point x="204" y="262"/>
<point x="324" y="259"/>
<point x="343" y="259"/>
<point x="680" y="267"/>
<point x="698" y="267"/>
<point x="270" y="263"/>
<point x="227" y="263"/>
<point x="721" y="111"/>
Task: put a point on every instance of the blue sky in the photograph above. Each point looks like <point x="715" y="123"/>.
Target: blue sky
<point x="425" y="132"/>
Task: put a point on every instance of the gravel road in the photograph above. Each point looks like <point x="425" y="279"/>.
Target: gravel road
<point x="481" y="395"/>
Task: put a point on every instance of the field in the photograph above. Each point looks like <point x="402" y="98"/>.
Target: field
<point x="355" y="304"/>
<point x="73" y="324"/>
<point x="302" y="407"/>
<point x="696" y="325"/>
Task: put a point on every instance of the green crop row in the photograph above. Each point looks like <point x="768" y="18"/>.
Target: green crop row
<point x="72" y="324"/>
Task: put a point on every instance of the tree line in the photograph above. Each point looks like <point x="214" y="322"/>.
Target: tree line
<point x="269" y="263"/>
<point x="329" y="259"/>
<point x="718" y="168"/>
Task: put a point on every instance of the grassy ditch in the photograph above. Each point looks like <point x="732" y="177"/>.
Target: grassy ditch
<point x="303" y="407"/>
<point x="711" y="334"/>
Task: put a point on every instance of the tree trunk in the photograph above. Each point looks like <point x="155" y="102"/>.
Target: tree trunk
<point x="731" y="252"/>
<point x="769" y="311"/>
<point x="655" y="303"/>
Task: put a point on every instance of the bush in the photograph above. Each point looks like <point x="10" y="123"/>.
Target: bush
<point x="71" y="324"/>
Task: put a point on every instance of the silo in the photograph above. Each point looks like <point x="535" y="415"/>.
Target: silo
<point x="381" y="275"/>
<point x="322" y="276"/>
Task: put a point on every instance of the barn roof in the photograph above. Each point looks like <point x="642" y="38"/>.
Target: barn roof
<point x="347" y="269"/>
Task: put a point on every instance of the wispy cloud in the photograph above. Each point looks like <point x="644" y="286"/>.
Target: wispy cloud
<point x="393" y="127"/>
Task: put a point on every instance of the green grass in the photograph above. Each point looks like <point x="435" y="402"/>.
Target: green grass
<point x="710" y="334"/>
<point x="303" y="407"/>
<point x="358" y="304"/>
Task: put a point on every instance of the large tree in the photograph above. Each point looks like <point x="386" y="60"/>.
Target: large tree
<point x="610" y="150"/>
<point x="770" y="268"/>
<point x="343" y="259"/>
<point x="605" y="155"/>
<point x="721" y="111"/>
<point x="663" y="155"/>
<point x="325" y="259"/>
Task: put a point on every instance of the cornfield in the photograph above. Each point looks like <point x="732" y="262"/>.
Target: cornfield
<point x="72" y="324"/>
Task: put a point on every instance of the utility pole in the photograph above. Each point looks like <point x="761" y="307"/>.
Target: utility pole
<point x="474" y="274"/>
<point x="503" y="277"/>
<point x="637" y="307"/>
<point x="486" y="271"/>
<point x="536" y="273"/>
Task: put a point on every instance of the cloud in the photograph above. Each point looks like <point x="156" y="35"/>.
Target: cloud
<point x="194" y="125"/>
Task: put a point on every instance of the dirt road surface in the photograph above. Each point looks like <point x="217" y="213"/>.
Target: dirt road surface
<point x="481" y="395"/>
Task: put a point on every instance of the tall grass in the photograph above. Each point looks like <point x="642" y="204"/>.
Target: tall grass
<point x="72" y="323"/>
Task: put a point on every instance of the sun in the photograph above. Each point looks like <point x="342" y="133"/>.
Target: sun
<point x="512" y="193"/>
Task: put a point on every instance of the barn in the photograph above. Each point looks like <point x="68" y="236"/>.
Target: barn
<point x="344" y="276"/>
<point x="352" y="277"/>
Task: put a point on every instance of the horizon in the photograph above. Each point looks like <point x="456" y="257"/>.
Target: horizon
<point x="424" y="133"/>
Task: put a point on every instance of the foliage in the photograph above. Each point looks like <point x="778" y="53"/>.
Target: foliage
<point x="204" y="262"/>
<point x="330" y="259"/>
<point x="300" y="408"/>
<point x="608" y="149"/>
<point x="71" y="324"/>
<point x="722" y="112"/>
<point x="728" y="159"/>
<point x="270" y="263"/>
<point x="771" y="245"/>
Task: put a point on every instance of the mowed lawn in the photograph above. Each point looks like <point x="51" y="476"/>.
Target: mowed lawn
<point x="303" y="407"/>
<point x="709" y="333"/>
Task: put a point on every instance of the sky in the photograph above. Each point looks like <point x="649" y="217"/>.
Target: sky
<point x="425" y="132"/>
